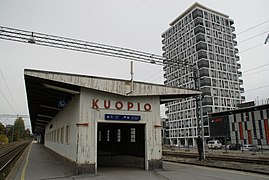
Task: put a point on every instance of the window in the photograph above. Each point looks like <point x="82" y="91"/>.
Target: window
<point x="233" y="127"/>
<point x="67" y="135"/>
<point x="58" y="135"/>
<point x="247" y="116"/>
<point x="62" y="135"/>
<point x="118" y="135"/>
<point x="99" y="136"/>
<point x="55" y="136"/>
<point x="107" y="137"/>
<point x="132" y="134"/>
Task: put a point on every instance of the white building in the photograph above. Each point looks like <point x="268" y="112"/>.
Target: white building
<point x="204" y="38"/>
<point x="92" y="121"/>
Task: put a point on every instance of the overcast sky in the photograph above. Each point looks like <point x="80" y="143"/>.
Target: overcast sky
<point x="134" y="24"/>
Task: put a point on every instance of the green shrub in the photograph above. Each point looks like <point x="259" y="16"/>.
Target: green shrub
<point x="3" y="139"/>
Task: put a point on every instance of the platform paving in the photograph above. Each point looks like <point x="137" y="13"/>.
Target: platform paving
<point x="38" y="163"/>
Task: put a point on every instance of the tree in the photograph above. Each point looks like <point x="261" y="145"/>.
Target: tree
<point x="2" y="128"/>
<point x="3" y="139"/>
<point x="27" y="133"/>
<point x="10" y="134"/>
<point x="19" y="128"/>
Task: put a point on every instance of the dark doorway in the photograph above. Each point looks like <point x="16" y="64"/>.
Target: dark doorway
<point x="121" y="145"/>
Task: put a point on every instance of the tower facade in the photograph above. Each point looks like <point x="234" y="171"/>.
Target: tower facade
<point x="202" y="38"/>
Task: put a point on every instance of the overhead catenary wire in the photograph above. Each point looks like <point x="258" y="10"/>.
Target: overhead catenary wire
<point x="7" y="101"/>
<point x="256" y="67"/>
<point x="95" y="48"/>
<point x="256" y="72"/>
<point x="9" y="91"/>
<point x="253" y="27"/>
<point x="246" y="50"/>
<point x="151" y="76"/>
<point x="23" y="36"/>
<point x="160" y="77"/>
<point x="261" y="87"/>
<point x="78" y="45"/>
<point x="252" y="37"/>
<point x="14" y="116"/>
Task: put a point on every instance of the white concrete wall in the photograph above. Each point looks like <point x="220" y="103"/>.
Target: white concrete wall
<point x="87" y="150"/>
<point x="80" y="110"/>
<point x="69" y="116"/>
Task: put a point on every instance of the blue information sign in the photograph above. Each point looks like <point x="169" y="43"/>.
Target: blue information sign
<point x="122" y="117"/>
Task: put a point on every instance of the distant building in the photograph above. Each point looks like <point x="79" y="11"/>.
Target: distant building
<point x="164" y="122"/>
<point x="246" y="125"/>
<point x="205" y="38"/>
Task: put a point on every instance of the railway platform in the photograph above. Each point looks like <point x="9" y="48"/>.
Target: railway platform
<point x="39" y="163"/>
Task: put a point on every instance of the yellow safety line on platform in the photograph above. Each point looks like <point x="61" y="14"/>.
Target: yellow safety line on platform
<point x="26" y="163"/>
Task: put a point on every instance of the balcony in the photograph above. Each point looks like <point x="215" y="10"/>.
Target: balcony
<point x="202" y="54"/>
<point x="231" y="22"/>
<point x="199" y="29"/>
<point x="207" y="101"/>
<point x="234" y="43"/>
<point x="204" y="72"/>
<point x="233" y="28"/>
<point x="197" y="13"/>
<point x="239" y="73"/>
<point x="241" y="81"/>
<point x="243" y="98"/>
<point x="242" y="90"/>
<point x="238" y="66"/>
<point x="236" y="50"/>
<point x="237" y="58"/>
<point x="203" y="63"/>
<point x="200" y="37"/>
<point x="233" y="36"/>
<point x="201" y="45"/>
<point x="205" y="82"/>
<point x="206" y="91"/>
<point x="198" y="21"/>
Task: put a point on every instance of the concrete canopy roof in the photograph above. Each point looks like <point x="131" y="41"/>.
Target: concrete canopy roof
<point x="44" y="90"/>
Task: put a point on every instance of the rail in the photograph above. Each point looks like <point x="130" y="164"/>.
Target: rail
<point x="221" y="157"/>
<point x="9" y="155"/>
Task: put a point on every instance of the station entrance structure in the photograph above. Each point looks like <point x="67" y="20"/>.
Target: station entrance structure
<point x="92" y="121"/>
<point x="123" y="144"/>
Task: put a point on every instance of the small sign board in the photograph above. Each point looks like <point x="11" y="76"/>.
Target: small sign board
<point x="119" y="117"/>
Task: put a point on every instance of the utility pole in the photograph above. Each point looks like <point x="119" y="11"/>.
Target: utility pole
<point x="199" y="109"/>
<point x="267" y="39"/>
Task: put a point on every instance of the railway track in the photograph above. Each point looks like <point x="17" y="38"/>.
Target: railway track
<point x="221" y="157"/>
<point x="9" y="155"/>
